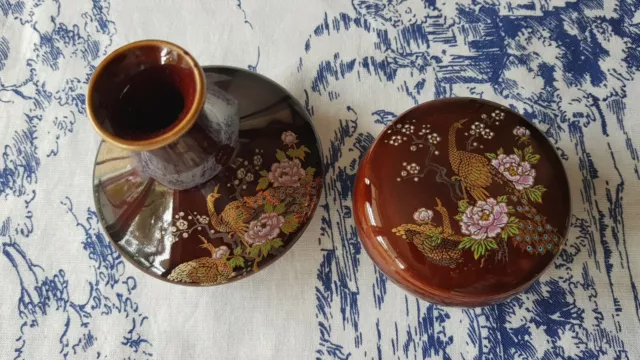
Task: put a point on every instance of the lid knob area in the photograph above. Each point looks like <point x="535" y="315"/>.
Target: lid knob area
<point x="462" y="202"/>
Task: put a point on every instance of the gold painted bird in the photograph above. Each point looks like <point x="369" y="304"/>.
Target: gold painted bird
<point x="204" y="271"/>
<point x="234" y="217"/>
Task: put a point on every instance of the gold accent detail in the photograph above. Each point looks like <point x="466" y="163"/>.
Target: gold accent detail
<point x="233" y="219"/>
<point x="472" y="169"/>
<point x="204" y="271"/>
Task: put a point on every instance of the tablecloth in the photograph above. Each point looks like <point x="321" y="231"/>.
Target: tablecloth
<point x="569" y="66"/>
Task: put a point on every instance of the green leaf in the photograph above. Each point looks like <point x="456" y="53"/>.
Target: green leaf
<point x="262" y="183"/>
<point x="500" y="152"/>
<point x="518" y="152"/>
<point x="437" y="239"/>
<point x="502" y="198"/>
<point x="458" y="217"/>
<point x="490" y="244"/>
<point x="466" y="243"/>
<point x="309" y="176"/>
<point x="513" y="220"/>
<point x="280" y="155"/>
<point x="478" y="250"/>
<point x="280" y="208"/>
<point x="505" y="234"/>
<point x="535" y="193"/>
<point x="264" y="173"/>
<point x="238" y="250"/>
<point x="463" y="205"/>
<point x="236" y="261"/>
<point x="532" y="158"/>
<point x="265" y="248"/>
<point x="255" y="250"/>
<point x="511" y="209"/>
<point x="296" y="153"/>
<point x="528" y="151"/>
<point x="304" y="149"/>
<point x="491" y="156"/>
<point x="290" y="224"/>
<point x="276" y="243"/>
<point x="268" y="207"/>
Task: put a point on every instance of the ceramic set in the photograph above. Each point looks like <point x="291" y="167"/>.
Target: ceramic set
<point x="209" y="174"/>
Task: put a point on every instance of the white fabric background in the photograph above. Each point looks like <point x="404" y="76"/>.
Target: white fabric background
<point x="277" y="313"/>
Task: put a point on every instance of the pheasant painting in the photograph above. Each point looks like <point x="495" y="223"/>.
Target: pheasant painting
<point x="265" y="202"/>
<point x="472" y="169"/>
<point x="476" y="172"/>
<point x="212" y="270"/>
<point x="234" y="218"/>
<point x="487" y="220"/>
<point x="439" y="244"/>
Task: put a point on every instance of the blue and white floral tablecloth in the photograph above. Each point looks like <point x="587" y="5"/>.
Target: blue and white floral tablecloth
<point x="572" y="66"/>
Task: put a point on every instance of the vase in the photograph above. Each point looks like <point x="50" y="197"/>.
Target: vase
<point x="151" y="97"/>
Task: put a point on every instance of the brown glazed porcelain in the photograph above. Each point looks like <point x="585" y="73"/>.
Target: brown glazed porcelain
<point x="151" y="97"/>
<point x="462" y="202"/>
<point x="238" y="222"/>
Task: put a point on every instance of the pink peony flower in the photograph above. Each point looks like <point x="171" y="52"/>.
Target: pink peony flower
<point x="422" y="216"/>
<point x="221" y="252"/>
<point x="521" y="131"/>
<point x="267" y="227"/>
<point x="519" y="173"/>
<point x="289" y="138"/>
<point x="485" y="219"/>
<point x="286" y="173"/>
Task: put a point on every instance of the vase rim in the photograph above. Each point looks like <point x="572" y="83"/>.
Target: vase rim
<point x="182" y="125"/>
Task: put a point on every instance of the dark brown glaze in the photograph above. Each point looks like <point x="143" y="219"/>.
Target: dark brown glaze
<point x="197" y="236"/>
<point x="149" y="74"/>
<point x="440" y="265"/>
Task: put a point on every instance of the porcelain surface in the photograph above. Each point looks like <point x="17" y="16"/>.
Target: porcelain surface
<point x="246" y="217"/>
<point x="462" y="202"/>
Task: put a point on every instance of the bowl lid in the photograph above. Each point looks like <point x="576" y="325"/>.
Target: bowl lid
<point x="462" y="202"/>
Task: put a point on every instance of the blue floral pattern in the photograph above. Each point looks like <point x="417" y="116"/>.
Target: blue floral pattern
<point x="565" y="65"/>
<point x="569" y="66"/>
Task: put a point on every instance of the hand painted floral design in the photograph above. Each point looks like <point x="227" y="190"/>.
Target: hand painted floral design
<point x="487" y="134"/>
<point x="181" y="224"/>
<point x="186" y="224"/>
<point x="521" y="131"/>
<point x="408" y="129"/>
<point x="413" y="168"/>
<point x="286" y="173"/>
<point x="396" y="140"/>
<point x="423" y="216"/>
<point x="220" y="252"/>
<point x="520" y="173"/>
<point x="256" y="223"/>
<point x="289" y="138"/>
<point x="484" y="220"/>
<point x="425" y="130"/>
<point x="267" y="227"/>
<point x="497" y="115"/>
<point x="487" y="221"/>
<point x="257" y="160"/>
<point x="476" y="128"/>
